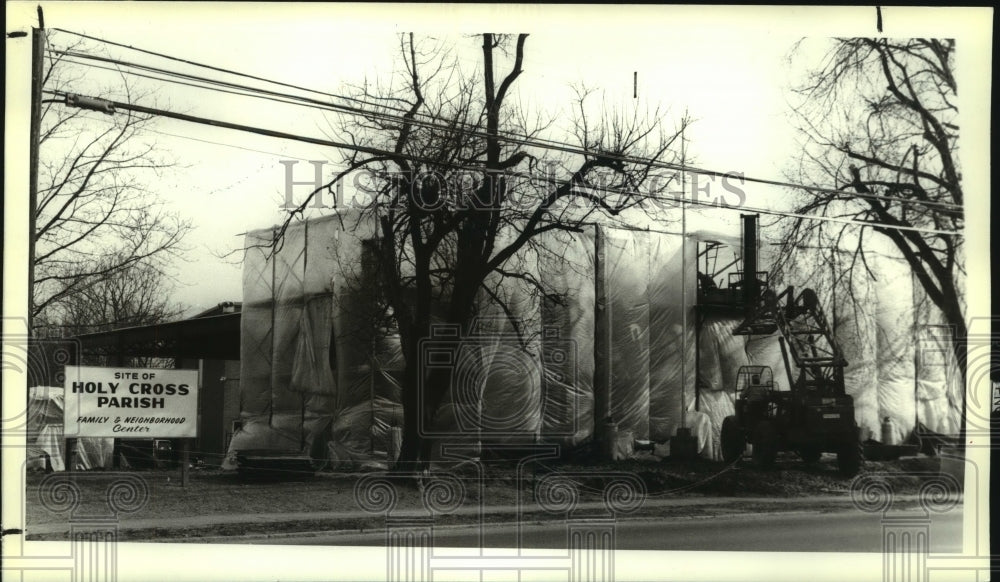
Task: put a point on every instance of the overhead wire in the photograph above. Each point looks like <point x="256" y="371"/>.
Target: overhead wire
<point x="203" y="65"/>
<point x="312" y="103"/>
<point x="438" y="163"/>
<point x="178" y="82"/>
<point x="787" y="214"/>
<point x="279" y="134"/>
<point x="208" y="141"/>
<point x="434" y="124"/>
<point x="545" y="144"/>
<point x="505" y="136"/>
<point x="245" y="90"/>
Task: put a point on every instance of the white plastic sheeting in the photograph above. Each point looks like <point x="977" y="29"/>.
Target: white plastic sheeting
<point x="509" y="323"/>
<point x="671" y="368"/>
<point x="567" y="262"/>
<point x="315" y="370"/>
<point x="854" y="325"/>
<point x="939" y="387"/>
<point x="640" y="333"/>
<point x="622" y="329"/>
<point x="894" y="318"/>
<point x="305" y="306"/>
<point x="318" y="376"/>
<point x="720" y="355"/>
<point x="495" y="376"/>
<point x="45" y="434"/>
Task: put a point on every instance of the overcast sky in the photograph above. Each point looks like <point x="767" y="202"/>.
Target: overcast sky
<point x="729" y="69"/>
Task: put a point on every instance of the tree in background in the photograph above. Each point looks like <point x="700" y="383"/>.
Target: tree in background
<point x="458" y="192"/>
<point x="879" y="118"/>
<point x="124" y="298"/>
<point x="97" y="223"/>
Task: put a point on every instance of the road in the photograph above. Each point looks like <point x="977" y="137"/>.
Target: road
<point x="848" y="531"/>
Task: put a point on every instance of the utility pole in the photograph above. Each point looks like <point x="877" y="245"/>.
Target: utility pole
<point x="684" y="268"/>
<point x="37" y="54"/>
<point x="683" y="445"/>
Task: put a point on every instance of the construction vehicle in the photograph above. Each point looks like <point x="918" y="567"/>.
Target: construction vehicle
<point x="815" y="415"/>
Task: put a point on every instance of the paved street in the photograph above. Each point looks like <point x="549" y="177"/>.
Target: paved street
<point x="849" y="531"/>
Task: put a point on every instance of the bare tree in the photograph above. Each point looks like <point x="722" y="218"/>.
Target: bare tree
<point x="124" y="298"/>
<point x="458" y="191"/>
<point x="879" y="121"/>
<point x="96" y="216"/>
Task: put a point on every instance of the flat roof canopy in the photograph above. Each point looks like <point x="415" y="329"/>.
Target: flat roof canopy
<point x="214" y="337"/>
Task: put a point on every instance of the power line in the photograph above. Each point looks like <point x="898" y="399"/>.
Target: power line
<point x="379" y="153"/>
<point x="218" y="143"/>
<point x="504" y="136"/>
<point x="177" y="82"/>
<point x="230" y="145"/>
<point x="258" y="130"/>
<point x="247" y="91"/>
<point x="786" y="214"/>
<point x="533" y="143"/>
<point x="224" y="70"/>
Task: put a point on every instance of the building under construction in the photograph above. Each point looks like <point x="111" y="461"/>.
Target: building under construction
<point x="640" y="339"/>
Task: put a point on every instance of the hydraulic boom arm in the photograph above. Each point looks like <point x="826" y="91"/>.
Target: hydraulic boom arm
<point x="804" y="330"/>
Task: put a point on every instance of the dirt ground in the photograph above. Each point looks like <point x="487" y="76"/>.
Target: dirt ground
<point x="329" y="498"/>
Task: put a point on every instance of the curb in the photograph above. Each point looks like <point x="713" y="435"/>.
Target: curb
<point x="780" y="506"/>
<point x="784" y="506"/>
<point x="251" y="538"/>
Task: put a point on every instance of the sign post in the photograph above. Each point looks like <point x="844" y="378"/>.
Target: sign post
<point x="185" y="462"/>
<point x="122" y="402"/>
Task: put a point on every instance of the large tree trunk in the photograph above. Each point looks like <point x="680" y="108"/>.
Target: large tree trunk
<point x="409" y="453"/>
<point x="423" y="395"/>
<point x="960" y="332"/>
<point x="425" y="390"/>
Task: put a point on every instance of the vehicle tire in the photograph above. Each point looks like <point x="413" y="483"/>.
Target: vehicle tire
<point x="765" y="443"/>
<point x="733" y="441"/>
<point x="810" y="454"/>
<point x="850" y="458"/>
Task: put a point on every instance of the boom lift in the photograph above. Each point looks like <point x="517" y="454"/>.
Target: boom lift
<point x="815" y="415"/>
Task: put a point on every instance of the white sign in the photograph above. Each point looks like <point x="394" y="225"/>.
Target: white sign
<point x="130" y="402"/>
